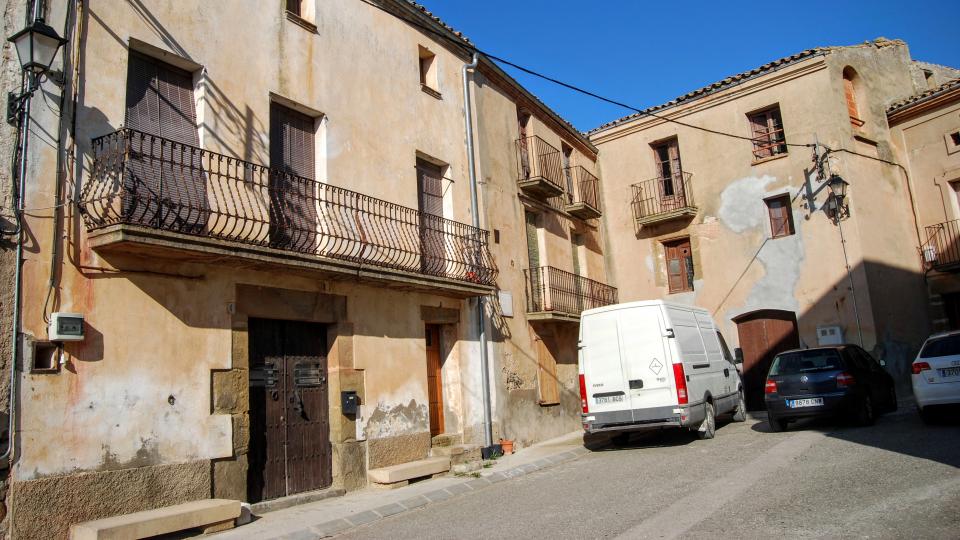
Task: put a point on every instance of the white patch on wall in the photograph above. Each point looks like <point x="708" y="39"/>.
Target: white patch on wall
<point x="649" y="262"/>
<point x="741" y="203"/>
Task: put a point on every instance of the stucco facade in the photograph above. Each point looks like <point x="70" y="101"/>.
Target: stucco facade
<point x="740" y="268"/>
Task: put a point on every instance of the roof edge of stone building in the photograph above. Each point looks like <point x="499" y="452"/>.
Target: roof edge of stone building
<point x="742" y="77"/>
<point x="905" y="105"/>
<point x="469" y="46"/>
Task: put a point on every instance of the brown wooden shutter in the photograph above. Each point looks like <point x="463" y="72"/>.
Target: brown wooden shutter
<point x="293" y="190"/>
<point x="781" y="223"/>
<point x="547" y="383"/>
<point x="430" y="199"/>
<point x="166" y="187"/>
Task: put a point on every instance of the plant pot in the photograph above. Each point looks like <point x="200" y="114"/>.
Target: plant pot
<point x="507" y="446"/>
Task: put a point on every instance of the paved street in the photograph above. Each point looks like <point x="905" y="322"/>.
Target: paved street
<point x="897" y="479"/>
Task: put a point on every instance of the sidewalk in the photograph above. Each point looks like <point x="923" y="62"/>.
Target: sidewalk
<point x="331" y="516"/>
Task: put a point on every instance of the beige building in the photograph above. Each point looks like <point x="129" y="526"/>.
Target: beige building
<point x="925" y="131"/>
<point x="746" y="226"/>
<point x="266" y="221"/>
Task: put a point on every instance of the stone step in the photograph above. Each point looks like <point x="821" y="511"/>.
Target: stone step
<point x="458" y="453"/>
<point x="213" y="514"/>
<point x="446" y="439"/>
<point x="406" y="471"/>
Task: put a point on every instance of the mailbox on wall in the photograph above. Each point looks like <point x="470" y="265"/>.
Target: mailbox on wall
<point x="349" y="400"/>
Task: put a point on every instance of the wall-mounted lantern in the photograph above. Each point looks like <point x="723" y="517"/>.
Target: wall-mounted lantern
<point x="837" y="205"/>
<point x="37" y="46"/>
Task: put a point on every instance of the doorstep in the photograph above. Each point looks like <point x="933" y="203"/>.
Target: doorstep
<point x="338" y="514"/>
<point x="273" y="505"/>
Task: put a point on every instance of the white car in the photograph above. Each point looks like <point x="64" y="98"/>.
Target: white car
<point x="936" y="373"/>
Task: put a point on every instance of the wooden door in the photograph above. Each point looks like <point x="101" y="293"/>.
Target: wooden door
<point x="523" y="119"/>
<point x="289" y="410"/>
<point x="430" y="199"/>
<point x="679" y="265"/>
<point x="763" y="334"/>
<point x="670" y="184"/>
<point x="293" y="190"/>
<point x="434" y="378"/>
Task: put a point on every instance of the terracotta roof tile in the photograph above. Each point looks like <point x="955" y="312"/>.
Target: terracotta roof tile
<point x="922" y="96"/>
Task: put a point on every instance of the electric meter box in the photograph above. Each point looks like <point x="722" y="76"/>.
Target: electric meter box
<point x="65" y="327"/>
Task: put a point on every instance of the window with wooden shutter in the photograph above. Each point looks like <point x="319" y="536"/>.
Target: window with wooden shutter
<point x="295" y="7"/>
<point x="430" y="200"/>
<point x="781" y="216"/>
<point x="293" y="190"/>
<point x="164" y="182"/>
<point x="679" y="258"/>
<point x="766" y="128"/>
<point x="548" y="385"/>
<point x="850" y="93"/>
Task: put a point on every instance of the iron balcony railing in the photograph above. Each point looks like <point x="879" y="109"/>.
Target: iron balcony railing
<point x="536" y="158"/>
<point x="941" y="251"/>
<point x="769" y="143"/>
<point x="550" y="289"/>
<point x="662" y="195"/>
<point x="150" y="181"/>
<point x="587" y="187"/>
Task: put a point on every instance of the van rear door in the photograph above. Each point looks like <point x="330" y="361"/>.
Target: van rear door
<point x="646" y="357"/>
<point x="603" y="373"/>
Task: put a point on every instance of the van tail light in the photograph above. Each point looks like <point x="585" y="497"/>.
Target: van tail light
<point x="844" y="380"/>
<point x="681" y="380"/>
<point x="917" y="367"/>
<point x="770" y="387"/>
<point x="583" y="395"/>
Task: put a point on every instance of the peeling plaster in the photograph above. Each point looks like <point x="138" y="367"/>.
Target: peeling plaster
<point x="386" y="421"/>
<point x="742" y="209"/>
<point x="648" y="260"/>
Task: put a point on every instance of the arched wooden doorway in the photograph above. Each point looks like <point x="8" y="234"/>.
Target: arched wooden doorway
<point x="763" y="334"/>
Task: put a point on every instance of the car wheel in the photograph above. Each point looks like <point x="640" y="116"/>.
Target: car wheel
<point x="866" y="415"/>
<point x="776" y="425"/>
<point x="740" y="413"/>
<point x="708" y="427"/>
<point x="893" y="399"/>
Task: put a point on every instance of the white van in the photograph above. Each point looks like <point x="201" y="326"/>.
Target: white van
<point x="652" y="364"/>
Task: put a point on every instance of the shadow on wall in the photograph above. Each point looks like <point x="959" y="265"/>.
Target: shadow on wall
<point x="894" y="299"/>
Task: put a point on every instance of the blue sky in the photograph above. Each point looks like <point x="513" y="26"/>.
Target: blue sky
<point x="646" y="53"/>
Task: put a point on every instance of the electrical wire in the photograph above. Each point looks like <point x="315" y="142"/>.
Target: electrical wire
<point x="641" y="112"/>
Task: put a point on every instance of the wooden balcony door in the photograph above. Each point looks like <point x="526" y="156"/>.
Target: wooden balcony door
<point x="430" y="199"/>
<point x="164" y="185"/>
<point x="670" y="171"/>
<point x="434" y="378"/>
<point x="289" y="409"/>
<point x="523" y="121"/>
<point x="293" y="191"/>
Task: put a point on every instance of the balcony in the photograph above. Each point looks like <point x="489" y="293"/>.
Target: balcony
<point x="584" y="202"/>
<point x="539" y="168"/>
<point x="663" y="199"/>
<point x="556" y="295"/>
<point x="156" y="197"/>
<point x="941" y="251"/>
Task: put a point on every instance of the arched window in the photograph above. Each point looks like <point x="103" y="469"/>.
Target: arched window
<point x="850" y="82"/>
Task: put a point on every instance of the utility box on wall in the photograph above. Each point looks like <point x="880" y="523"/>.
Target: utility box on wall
<point x="829" y="335"/>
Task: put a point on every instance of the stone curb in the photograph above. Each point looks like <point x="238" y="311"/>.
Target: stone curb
<point x="330" y="528"/>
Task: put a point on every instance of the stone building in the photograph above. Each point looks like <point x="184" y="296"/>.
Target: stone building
<point x="267" y="220"/>
<point x="746" y="226"/>
<point x="925" y="130"/>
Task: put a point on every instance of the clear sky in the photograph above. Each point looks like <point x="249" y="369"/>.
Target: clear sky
<point x="646" y="53"/>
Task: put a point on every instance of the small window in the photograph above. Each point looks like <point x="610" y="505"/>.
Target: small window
<point x="428" y="72"/>
<point x="928" y="78"/>
<point x="679" y="265"/>
<point x="767" y="129"/>
<point x="953" y="142"/>
<point x="781" y="216"/>
<point x="295" y="7"/>
<point x="850" y="83"/>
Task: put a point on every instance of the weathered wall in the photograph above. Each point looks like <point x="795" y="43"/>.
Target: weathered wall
<point x="738" y="266"/>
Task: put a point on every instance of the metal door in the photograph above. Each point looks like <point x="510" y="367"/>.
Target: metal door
<point x="289" y="419"/>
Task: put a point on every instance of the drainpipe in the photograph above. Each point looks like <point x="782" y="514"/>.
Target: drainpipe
<point x="475" y="209"/>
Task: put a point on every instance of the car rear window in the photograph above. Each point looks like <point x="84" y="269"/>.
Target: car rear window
<point x="943" y="346"/>
<point x="805" y="362"/>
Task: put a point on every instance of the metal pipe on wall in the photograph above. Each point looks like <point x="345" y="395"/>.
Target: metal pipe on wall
<point x="475" y="209"/>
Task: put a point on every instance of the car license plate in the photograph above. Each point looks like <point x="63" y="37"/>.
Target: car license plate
<point x="810" y="402"/>
<point x="950" y="372"/>
<point x="608" y="399"/>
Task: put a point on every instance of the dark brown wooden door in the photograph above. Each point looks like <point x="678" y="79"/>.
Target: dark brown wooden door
<point x="430" y="199"/>
<point x="293" y="190"/>
<point x="289" y="409"/>
<point x="434" y="379"/>
<point x="670" y="171"/>
<point x="679" y="265"/>
<point x="763" y="334"/>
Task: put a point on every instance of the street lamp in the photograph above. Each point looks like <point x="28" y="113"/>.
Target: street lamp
<point x="838" y="191"/>
<point x="37" y="45"/>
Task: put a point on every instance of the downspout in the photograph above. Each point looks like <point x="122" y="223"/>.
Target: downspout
<point x="475" y="209"/>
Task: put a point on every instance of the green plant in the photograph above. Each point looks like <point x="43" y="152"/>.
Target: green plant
<point x="487" y="464"/>
<point x="475" y="474"/>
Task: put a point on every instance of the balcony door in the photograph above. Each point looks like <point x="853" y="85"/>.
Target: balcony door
<point x="567" y="171"/>
<point x="293" y="190"/>
<point x="523" y="123"/>
<point x="669" y="175"/>
<point x="430" y="199"/>
<point x="536" y="282"/>
<point x="164" y="185"/>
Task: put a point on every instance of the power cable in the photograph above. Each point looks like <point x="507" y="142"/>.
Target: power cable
<point x="642" y="112"/>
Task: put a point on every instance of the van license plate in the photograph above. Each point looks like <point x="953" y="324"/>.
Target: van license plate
<point x="950" y="372"/>
<point x="811" y="402"/>
<point x="608" y="399"/>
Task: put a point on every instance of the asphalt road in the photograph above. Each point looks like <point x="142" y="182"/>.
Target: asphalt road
<point x="897" y="479"/>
